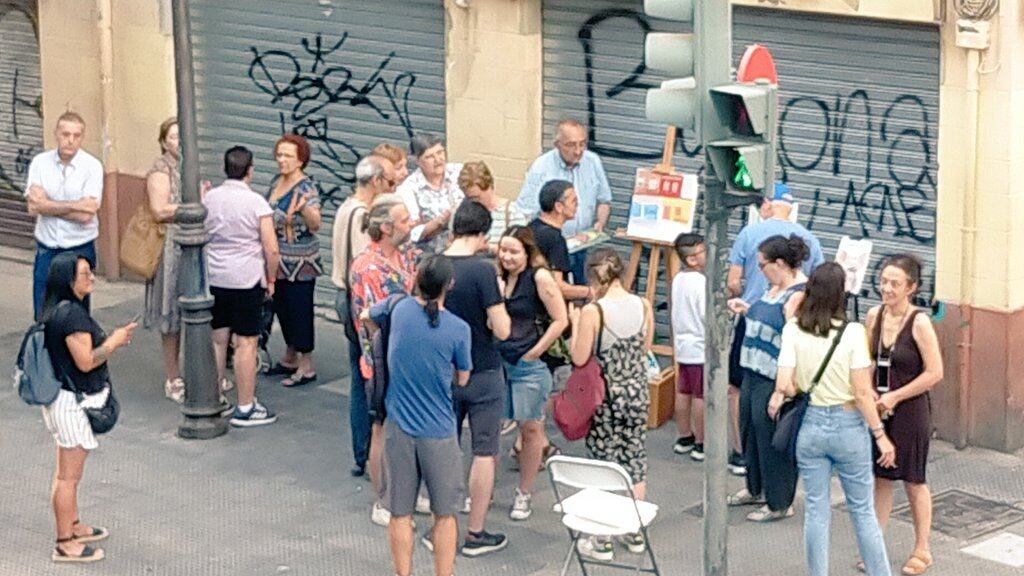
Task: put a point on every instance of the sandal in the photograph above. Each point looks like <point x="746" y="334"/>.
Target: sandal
<point x="88" y="553"/>
<point x="743" y="498"/>
<point x="918" y="563"/>
<point x="861" y="567"/>
<point x="281" y="370"/>
<point x="298" y="379"/>
<point x="97" y="534"/>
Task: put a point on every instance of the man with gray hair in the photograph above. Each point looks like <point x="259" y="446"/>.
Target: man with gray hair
<point x="431" y="193"/>
<point x="571" y="161"/>
<point x="384" y="268"/>
<point x="374" y="176"/>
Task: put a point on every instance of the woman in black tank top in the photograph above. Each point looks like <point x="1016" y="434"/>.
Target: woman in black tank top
<point x="539" y="317"/>
<point x="908" y="364"/>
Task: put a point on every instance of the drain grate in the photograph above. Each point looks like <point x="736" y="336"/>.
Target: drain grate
<point x="965" y="516"/>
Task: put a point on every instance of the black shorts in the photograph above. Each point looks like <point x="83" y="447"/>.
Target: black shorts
<point x="239" y="309"/>
<point x="735" y="370"/>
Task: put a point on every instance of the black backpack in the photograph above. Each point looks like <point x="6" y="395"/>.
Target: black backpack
<point x="377" y="386"/>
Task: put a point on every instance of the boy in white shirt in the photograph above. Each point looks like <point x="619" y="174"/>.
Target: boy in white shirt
<point x="688" y="297"/>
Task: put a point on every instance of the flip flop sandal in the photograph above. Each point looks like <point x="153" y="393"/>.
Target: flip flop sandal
<point x="279" y="369"/>
<point x="297" y="379"/>
<point x="88" y="554"/>
<point x="96" y="534"/>
<point x="860" y="566"/>
<point x="917" y="564"/>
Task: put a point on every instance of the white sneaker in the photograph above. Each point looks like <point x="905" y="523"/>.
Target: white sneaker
<point x="596" y="549"/>
<point x="466" y="506"/>
<point x="380" y="515"/>
<point x="175" y="390"/>
<point x="422" y="504"/>
<point x="226" y="385"/>
<point x="520" y="506"/>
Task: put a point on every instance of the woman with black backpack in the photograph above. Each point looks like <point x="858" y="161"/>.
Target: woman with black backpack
<point x="79" y="350"/>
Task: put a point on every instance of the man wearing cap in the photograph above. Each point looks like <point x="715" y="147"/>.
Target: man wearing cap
<point x="745" y="279"/>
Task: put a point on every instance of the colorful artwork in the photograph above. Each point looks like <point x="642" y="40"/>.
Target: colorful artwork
<point x="663" y="205"/>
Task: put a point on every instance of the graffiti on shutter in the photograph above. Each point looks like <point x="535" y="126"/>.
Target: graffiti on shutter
<point x="308" y="82"/>
<point x="21" y="102"/>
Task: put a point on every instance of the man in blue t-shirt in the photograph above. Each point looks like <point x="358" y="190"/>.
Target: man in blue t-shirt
<point x="428" y="353"/>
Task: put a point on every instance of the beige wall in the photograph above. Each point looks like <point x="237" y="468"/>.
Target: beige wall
<point x="493" y="83"/>
<point x="70" y="67"/>
<point x="144" y="92"/>
<point x="997" y="280"/>
<point x="910" y="10"/>
<point x="143" y="79"/>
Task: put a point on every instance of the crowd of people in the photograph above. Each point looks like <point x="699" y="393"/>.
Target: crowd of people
<point x="465" y="304"/>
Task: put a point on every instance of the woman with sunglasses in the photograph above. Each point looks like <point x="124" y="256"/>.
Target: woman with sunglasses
<point x="771" y="479"/>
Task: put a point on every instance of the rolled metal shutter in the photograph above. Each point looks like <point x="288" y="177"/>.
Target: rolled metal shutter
<point x="858" y="110"/>
<point x="346" y="75"/>
<point x="21" y="117"/>
<point x="858" y="125"/>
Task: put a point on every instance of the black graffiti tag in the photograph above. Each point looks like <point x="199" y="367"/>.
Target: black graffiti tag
<point x="310" y="83"/>
<point x="633" y="81"/>
<point x="12" y="179"/>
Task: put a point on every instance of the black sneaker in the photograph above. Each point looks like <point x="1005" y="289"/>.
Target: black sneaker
<point x="697" y="454"/>
<point x="684" y="444"/>
<point x="478" y="544"/>
<point x="737" y="465"/>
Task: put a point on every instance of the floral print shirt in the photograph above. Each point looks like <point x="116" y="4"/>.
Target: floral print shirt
<point x="372" y="278"/>
<point x="425" y="203"/>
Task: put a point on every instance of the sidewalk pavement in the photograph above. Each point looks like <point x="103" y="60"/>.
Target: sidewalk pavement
<point x="279" y="500"/>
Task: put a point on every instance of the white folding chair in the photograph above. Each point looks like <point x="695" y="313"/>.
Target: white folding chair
<point x="595" y="498"/>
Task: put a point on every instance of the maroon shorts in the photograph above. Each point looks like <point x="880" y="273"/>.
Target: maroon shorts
<point x="691" y="380"/>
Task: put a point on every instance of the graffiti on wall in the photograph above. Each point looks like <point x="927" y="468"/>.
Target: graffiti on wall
<point x="892" y="189"/>
<point x="313" y="81"/>
<point x="21" y="101"/>
<point x="633" y="81"/>
<point x="877" y="156"/>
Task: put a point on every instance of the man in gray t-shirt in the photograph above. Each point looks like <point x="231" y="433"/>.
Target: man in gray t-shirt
<point x="242" y="260"/>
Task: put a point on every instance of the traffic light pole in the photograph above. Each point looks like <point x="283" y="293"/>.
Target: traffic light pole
<point x="713" y="25"/>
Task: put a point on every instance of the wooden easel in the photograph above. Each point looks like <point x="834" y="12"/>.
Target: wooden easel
<point x="657" y="265"/>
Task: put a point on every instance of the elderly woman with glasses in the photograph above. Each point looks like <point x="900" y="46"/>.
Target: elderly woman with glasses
<point x="431" y="193"/>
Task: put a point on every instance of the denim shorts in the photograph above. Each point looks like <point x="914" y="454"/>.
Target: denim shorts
<point x="529" y="384"/>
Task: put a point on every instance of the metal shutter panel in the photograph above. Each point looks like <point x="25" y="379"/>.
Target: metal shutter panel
<point x="21" y="121"/>
<point x="347" y="75"/>
<point x="593" y="71"/>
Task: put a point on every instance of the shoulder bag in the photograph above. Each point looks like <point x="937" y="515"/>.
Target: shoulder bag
<point x="344" y="304"/>
<point x="585" y="391"/>
<point x="791" y="414"/>
<point x="142" y="244"/>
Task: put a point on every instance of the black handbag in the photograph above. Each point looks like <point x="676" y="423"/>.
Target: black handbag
<point x="791" y="413"/>
<point x="102" y="419"/>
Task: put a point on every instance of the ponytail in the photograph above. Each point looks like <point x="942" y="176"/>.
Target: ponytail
<point x="433" y="313"/>
<point x="433" y="278"/>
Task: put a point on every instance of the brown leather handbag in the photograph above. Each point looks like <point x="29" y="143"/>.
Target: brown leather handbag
<point x="142" y="244"/>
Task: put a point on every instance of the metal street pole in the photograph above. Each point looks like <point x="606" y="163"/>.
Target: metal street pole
<point x="713" y="25"/>
<point x="201" y="410"/>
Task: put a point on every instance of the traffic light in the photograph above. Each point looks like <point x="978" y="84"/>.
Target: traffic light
<point x="676" y="102"/>
<point x="744" y="159"/>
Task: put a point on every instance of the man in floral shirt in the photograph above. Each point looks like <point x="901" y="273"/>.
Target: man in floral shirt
<point x="383" y="269"/>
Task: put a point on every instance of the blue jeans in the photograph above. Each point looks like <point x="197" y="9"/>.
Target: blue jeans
<point x="41" y="269"/>
<point x="836" y="439"/>
<point x="578" y="266"/>
<point x="358" y="408"/>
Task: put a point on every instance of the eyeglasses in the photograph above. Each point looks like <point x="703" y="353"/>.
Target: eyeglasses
<point x="762" y="264"/>
<point x="90" y="275"/>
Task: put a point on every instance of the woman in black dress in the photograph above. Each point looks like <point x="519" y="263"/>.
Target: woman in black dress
<point x="908" y="364"/>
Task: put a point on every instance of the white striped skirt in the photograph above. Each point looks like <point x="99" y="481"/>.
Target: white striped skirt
<point x="68" y="423"/>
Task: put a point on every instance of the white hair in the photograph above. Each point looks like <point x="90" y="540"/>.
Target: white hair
<point x="368" y="168"/>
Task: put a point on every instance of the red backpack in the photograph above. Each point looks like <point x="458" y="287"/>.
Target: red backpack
<point x="585" y="390"/>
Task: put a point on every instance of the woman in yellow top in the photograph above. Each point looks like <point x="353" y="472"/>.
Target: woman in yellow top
<point x="835" y="431"/>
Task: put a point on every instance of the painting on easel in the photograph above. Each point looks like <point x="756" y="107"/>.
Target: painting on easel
<point x="663" y="205"/>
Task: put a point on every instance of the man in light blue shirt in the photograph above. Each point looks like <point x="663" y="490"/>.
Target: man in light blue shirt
<point x="570" y="160"/>
<point x="745" y="277"/>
